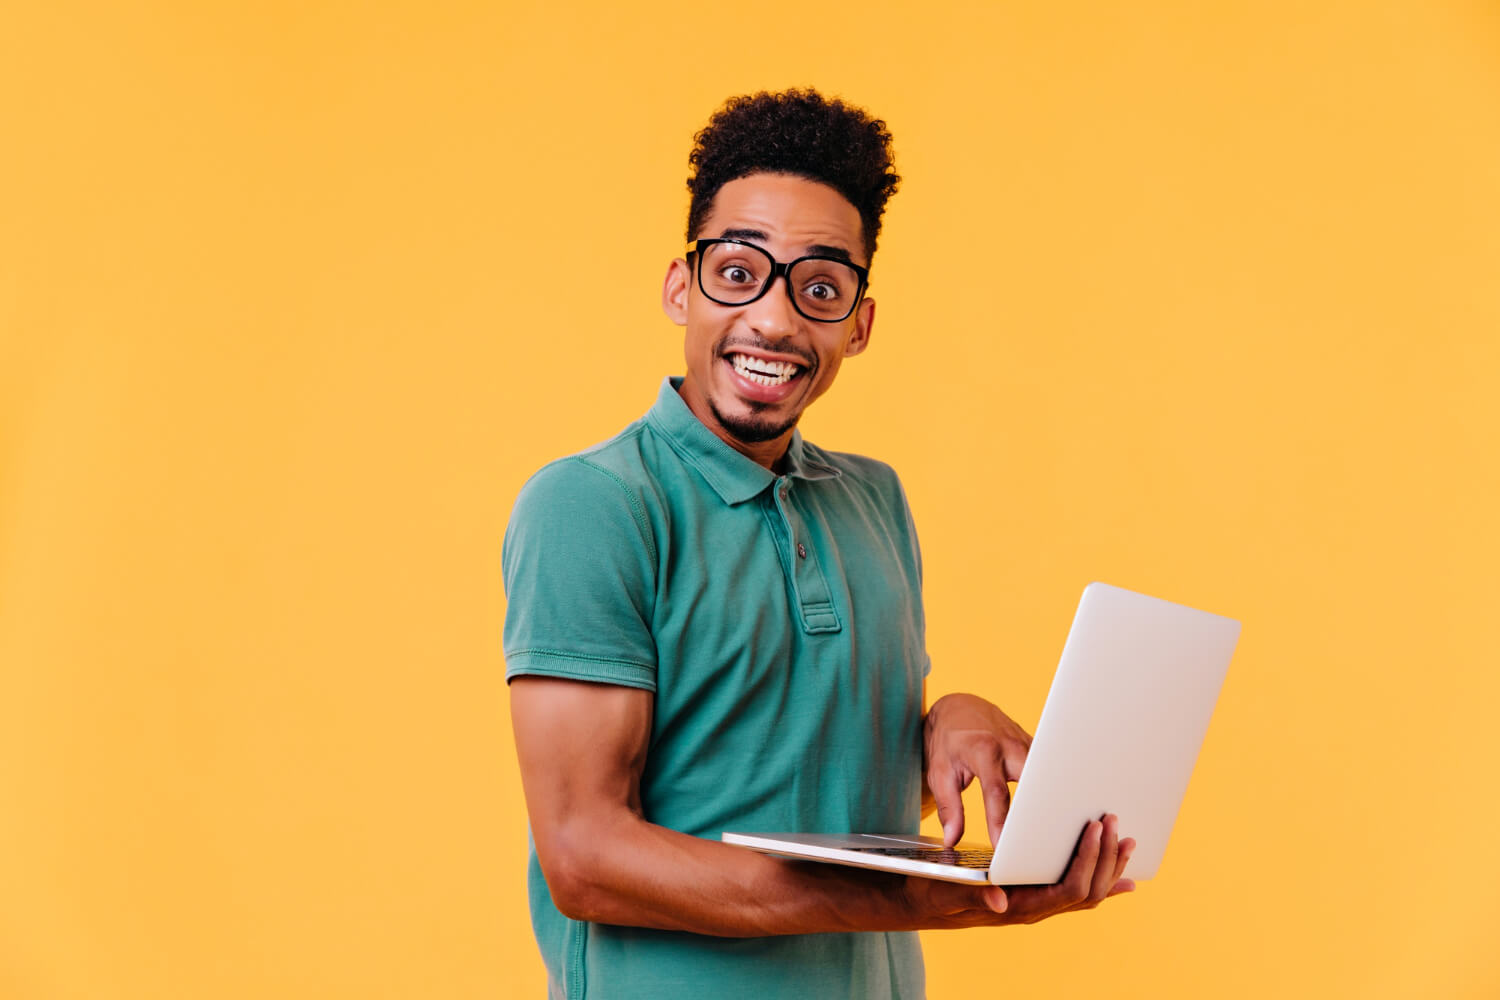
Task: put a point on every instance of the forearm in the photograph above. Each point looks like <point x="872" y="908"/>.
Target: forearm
<point x="638" y="874"/>
<point x="581" y="748"/>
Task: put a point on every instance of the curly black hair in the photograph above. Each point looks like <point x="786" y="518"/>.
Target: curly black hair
<point x="796" y="132"/>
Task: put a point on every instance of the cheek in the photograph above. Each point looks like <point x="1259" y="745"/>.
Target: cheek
<point x="700" y="345"/>
<point x="827" y="370"/>
<point x="705" y="327"/>
<point x="831" y="356"/>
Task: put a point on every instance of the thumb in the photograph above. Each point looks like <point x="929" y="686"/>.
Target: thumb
<point x="994" y="898"/>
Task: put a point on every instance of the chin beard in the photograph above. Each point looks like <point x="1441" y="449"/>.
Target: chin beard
<point x="751" y="429"/>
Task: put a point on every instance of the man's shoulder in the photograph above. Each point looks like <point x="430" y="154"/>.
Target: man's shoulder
<point x="862" y="469"/>
<point x="589" y="502"/>
<point x="850" y="463"/>
<point x="595" y="493"/>
<point x="620" y="463"/>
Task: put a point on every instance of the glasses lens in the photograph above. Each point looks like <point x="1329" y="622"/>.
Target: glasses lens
<point x="824" y="289"/>
<point x="732" y="273"/>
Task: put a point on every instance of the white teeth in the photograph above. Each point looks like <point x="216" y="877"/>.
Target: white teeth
<point x="764" y="372"/>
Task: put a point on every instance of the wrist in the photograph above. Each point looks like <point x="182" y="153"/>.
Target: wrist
<point x="961" y="710"/>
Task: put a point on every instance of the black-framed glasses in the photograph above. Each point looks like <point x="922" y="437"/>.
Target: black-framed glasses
<point x="735" y="273"/>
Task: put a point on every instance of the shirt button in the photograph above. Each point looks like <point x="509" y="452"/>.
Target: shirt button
<point x="801" y="551"/>
<point x="783" y="491"/>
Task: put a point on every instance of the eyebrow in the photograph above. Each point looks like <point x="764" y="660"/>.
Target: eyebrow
<point x="754" y="235"/>
<point x="816" y="249"/>
<point x="838" y="253"/>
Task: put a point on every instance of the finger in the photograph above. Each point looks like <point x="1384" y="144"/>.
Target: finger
<point x="1011" y="756"/>
<point x="1109" y="853"/>
<point x="996" y="804"/>
<point x="949" y="899"/>
<point x="1077" y="881"/>
<point x="947" y="791"/>
<point x="1123" y="885"/>
<point x="1127" y="848"/>
<point x="1015" y="757"/>
<point x="994" y="897"/>
<point x="1001" y="764"/>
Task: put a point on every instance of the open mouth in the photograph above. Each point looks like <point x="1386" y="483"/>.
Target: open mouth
<point x="764" y="372"/>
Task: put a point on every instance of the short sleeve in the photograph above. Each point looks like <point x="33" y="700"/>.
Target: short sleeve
<point x="579" y="565"/>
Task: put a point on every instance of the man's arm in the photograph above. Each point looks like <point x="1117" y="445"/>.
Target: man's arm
<point x="582" y="748"/>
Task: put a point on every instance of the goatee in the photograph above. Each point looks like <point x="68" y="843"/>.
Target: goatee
<point x="750" y="429"/>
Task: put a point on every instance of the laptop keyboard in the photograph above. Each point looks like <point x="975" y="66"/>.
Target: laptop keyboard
<point x="937" y="856"/>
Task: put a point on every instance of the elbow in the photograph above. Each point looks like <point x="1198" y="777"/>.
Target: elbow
<point x="573" y="878"/>
<point x="570" y="891"/>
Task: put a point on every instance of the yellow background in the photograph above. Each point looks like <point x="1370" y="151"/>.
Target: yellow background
<point x="1199" y="299"/>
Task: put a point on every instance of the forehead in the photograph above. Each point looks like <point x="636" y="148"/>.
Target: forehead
<point x="793" y="212"/>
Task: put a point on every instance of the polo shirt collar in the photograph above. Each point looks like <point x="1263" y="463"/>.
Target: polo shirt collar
<point x="733" y="476"/>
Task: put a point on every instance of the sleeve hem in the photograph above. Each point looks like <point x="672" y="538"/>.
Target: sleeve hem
<point x="579" y="666"/>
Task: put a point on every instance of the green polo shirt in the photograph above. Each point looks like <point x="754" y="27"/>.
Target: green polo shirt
<point x="778" y="622"/>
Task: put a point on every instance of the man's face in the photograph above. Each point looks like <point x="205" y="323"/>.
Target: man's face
<point x="753" y="369"/>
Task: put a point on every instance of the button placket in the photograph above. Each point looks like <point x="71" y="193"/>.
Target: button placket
<point x="810" y="587"/>
<point x="789" y="518"/>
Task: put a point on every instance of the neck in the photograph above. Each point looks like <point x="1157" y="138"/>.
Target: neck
<point x="771" y="454"/>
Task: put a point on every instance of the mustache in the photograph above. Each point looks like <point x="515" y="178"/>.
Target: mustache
<point x="808" y="359"/>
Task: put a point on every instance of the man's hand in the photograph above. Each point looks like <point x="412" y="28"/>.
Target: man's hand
<point x="1092" y="876"/>
<point x="965" y="737"/>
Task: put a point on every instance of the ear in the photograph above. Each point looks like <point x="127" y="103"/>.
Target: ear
<point x="864" y="322"/>
<point x="674" y="291"/>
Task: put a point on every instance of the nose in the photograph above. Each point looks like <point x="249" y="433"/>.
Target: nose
<point x="772" y="315"/>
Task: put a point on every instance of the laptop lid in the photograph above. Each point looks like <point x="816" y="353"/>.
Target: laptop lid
<point x="1120" y="732"/>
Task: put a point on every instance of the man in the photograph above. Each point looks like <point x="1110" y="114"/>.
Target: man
<point x="714" y="624"/>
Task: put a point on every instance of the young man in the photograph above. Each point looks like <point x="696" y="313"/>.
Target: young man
<point x="714" y="624"/>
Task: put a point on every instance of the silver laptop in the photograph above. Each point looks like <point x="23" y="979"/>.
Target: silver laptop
<point x="1120" y="733"/>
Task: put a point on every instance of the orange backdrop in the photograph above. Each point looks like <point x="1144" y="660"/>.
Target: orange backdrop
<point x="1196" y="299"/>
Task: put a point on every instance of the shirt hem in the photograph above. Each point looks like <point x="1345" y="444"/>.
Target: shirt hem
<point x="579" y="666"/>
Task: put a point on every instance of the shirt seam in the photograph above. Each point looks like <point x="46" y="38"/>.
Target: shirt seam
<point x="588" y="657"/>
<point x="637" y="511"/>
